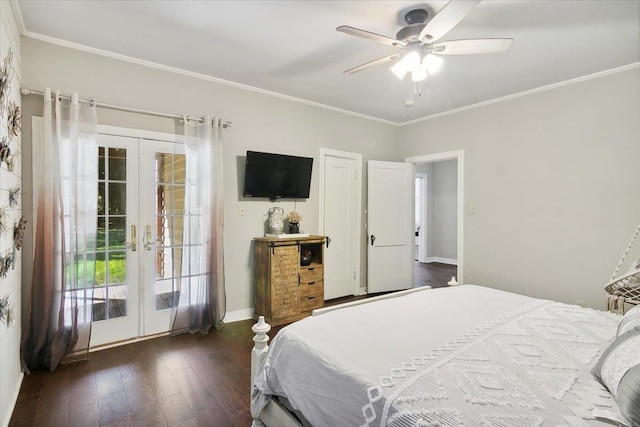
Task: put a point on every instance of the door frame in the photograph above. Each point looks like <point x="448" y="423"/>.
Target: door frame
<point x="327" y="152"/>
<point x="459" y="156"/>
<point x="422" y="234"/>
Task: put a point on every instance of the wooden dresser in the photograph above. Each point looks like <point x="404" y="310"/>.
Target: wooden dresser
<point x="285" y="290"/>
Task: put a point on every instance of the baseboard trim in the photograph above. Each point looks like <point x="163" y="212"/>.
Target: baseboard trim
<point x="238" y="315"/>
<point x="12" y="407"/>
<point x="450" y="261"/>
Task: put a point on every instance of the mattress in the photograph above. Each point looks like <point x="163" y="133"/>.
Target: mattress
<point x="465" y="355"/>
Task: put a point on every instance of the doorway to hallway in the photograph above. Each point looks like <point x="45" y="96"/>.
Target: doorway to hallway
<point x="434" y="274"/>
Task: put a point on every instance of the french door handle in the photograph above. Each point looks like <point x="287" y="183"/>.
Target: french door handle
<point x="134" y="238"/>
<point x="148" y="244"/>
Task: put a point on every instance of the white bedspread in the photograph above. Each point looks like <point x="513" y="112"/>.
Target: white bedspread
<point x="460" y="356"/>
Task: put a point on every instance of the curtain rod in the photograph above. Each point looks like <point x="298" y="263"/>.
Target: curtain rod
<point x="224" y="125"/>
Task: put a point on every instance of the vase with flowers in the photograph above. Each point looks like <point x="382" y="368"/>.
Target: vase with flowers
<point x="294" y="219"/>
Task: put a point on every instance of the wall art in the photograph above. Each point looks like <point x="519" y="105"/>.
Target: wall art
<point x="14" y="195"/>
<point x="18" y="232"/>
<point x="14" y="120"/>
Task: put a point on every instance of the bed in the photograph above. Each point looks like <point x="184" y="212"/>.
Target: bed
<point x="465" y="355"/>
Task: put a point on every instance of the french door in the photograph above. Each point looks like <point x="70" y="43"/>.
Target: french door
<point x="139" y="259"/>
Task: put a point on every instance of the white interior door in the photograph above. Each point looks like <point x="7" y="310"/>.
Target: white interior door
<point x="341" y="225"/>
<point x="390" y="226"/>
<point x="115" y="305"/>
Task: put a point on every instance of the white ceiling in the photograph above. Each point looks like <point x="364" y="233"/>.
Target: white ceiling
<point x="292" y="48"/>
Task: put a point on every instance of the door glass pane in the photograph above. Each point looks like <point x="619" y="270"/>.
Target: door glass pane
<point x="169" y="199"/>
<point x="163" y="227"/>
<point x="164" y="264"/>
<point x="161" y="199"/>
<point x="178" y="200"/>
<point x="117" y="198"/>
<point x="164" y="295"/>
<point x="117" y="232"/>
<point x="177" y="262"/>
<point x="101" y="270"/>
<point x="194" y="228"/>
<point x="163" y="167"/>
<point x="102" y="197"/>
<point x="117" y="268"/>
<point x="179" y="168"/>
<point x="178" y="230"/>
<point x="99" y="304"/>
<point x="117" y="164"/>
<point x="101" y="163"/>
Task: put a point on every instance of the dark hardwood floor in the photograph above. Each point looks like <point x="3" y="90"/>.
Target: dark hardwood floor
<point x="188" y="380"/>
<point x="433" y="274"/>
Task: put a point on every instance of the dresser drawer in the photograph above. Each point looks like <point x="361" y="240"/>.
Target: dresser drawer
<point x="310" y="274"/>
<point x="311" y="302"/>
<point x="312" y="288"/>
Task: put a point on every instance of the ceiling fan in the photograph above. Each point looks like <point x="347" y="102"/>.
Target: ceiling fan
<point x="418" y="40"/>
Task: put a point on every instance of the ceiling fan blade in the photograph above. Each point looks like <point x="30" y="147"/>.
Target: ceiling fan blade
<point x="379" y="61"/>
<point x="352" y="31"/>
<point x="452" y="13"/>
<point x="471" y="46"/>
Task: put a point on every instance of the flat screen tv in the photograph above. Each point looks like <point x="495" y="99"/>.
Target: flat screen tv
<point x="277" y="176"/>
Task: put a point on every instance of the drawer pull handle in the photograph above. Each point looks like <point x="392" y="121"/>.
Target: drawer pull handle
<point x="312" y="268"/>
<point x="310" y="297"/>
<point x="311" y="283"/>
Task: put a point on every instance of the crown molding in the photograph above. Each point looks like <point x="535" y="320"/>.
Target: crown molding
<point x="200" y="76"/>
<point x="525" y="93"/>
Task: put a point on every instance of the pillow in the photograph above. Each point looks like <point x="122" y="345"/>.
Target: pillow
<point x="618" y="369"/>
<point x="630" y="320"/>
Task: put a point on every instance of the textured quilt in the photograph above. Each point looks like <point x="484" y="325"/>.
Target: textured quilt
<point x="507" y="360"/>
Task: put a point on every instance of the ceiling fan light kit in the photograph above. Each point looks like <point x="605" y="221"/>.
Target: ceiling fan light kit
<point x="417" y="39"/>
<point x="419" y="69"/>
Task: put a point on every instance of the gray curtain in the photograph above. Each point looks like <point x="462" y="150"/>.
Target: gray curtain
<point x="201" y="289"/>
<point x="57" y="322"/>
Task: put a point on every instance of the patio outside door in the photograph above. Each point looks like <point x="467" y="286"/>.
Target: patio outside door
<point x="141" y="188"/>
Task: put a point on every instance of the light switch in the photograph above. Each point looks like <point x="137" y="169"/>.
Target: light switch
<point x="241" y="210"/>
<point x="472" y="209"/>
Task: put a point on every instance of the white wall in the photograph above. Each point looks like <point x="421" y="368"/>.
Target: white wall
<point x="554" y="176"/>
<point x="260" y="122"/>
<point x="10" y="373"/>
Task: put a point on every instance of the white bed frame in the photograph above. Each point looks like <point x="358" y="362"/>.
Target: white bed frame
<point x="274" y="414"/>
